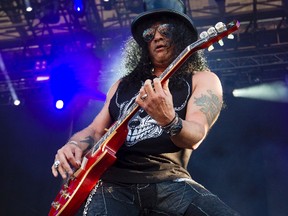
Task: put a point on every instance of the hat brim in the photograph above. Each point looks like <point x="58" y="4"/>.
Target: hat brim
<point x="137" y="26"/>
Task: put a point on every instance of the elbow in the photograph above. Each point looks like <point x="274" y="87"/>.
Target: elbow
<point x="199" y="137"/>
<point x="191" y="136"/>
<point x="196" y="145"/>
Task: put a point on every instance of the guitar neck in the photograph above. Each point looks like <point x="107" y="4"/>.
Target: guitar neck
<point x="179" y="61"/>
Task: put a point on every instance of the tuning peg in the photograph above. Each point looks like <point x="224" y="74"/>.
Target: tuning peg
<point x="203" y="35"/>
<point x="220" y="27"/>
<point x="210" y="48"/>
<point x="221" y="43"/>
<point x="230" y="36"/>
<point x="212" y="32"/>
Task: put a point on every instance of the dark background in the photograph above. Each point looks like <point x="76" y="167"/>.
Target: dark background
<point x="243" y="160"/>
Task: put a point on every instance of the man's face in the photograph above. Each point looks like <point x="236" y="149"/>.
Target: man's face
<point x="160" y="46"/>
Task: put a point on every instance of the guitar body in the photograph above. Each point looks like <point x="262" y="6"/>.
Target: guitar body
<point x="77" y="188"/>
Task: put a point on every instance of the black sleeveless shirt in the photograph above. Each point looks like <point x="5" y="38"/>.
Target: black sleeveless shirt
<point x="148" y="155"/>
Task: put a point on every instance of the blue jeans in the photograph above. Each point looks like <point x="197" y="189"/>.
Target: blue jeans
<point x="181" y="197"/>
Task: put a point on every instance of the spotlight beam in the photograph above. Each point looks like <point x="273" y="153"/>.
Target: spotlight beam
<point x="8" y="81"/>
<point x="276" y="91"/>
<point x="28" y="5"/>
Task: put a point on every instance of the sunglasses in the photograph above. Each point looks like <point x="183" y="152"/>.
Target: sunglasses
<point x="164" y="29"/>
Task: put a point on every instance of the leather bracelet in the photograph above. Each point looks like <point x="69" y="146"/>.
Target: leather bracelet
<point x="174" y="127"/>
<point x="168" y="126"/>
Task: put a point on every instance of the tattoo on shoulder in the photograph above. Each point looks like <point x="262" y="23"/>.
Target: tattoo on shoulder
<point x="210" y="105"/>
<point x="88" y="140"/>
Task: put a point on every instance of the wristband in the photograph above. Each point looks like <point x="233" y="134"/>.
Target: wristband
<point x="174" y="127"/>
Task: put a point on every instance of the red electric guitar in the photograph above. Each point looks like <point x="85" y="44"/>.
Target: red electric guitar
<point x="102" y="155"/>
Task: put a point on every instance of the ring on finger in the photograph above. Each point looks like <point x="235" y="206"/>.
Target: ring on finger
<point x="56" y="164"/>
<point x="143" y="97"/>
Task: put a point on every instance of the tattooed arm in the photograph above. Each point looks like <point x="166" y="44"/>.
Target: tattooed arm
<point x="203" y="110"/>
<point x="72" y="152"/>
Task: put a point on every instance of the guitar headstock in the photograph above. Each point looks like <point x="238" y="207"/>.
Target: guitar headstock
<point x="207" y="38"/>
<point x="215" y="34"/>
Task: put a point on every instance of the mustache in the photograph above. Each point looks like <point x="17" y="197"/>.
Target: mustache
<point x="169" y="44"/>
<point x="165" y="43"/>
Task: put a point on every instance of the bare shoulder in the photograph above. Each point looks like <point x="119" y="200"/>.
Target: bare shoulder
<point x="113" y="89"/>
<point x="202" y="77"/>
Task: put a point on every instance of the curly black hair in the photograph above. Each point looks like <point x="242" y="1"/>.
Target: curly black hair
<point x="138" y="65"/>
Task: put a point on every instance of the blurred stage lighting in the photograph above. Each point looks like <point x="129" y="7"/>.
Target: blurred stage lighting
<point x="276" y="91"/>
<point x="28" y="6"/>
<point x="79" y="7"/>
<point x="59" y="104"/>
<point x="8" y="80"/>
<point x="17" y="102"/>
<point x="42" y="78"/>
<point x="63" y="83"/>
<point x="40" y="65"/>
<point x="29" y="9"/>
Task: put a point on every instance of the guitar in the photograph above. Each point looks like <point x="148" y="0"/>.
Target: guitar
<point x="103" y="154"/>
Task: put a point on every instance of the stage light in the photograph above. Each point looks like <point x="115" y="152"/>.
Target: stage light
<point x="78" y="6"/>
<point x="17" y="102"/>
<point x="28" y="6"/>
<point x="29" y="9"/>
<point x="59" y="104"/>
<point x="8" y="80"/>
<point x="63" y="83"/>
<point x="276" y="91"/>
<point x="42" y="78"/>
<point x="41" y="65"/>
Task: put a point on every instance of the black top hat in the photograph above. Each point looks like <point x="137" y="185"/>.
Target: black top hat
<point x="156" y="8"/>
